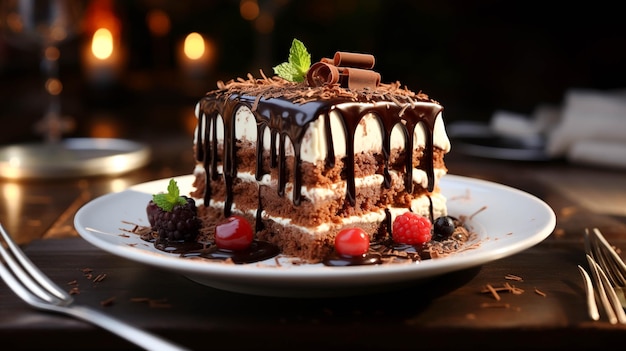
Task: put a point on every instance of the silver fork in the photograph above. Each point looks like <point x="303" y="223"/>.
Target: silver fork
<point x="607" y="270"/>
<point x="34" y="287"/>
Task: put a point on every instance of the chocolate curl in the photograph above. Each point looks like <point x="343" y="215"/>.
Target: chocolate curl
<point x="351" y="59"/>
<point x="361" y="78"/>
<point x="322" y="73"/>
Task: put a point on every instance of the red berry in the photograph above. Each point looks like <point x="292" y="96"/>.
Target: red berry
<point x="234" y="233"/>
<point x="411" y="228"/>
<point x="352" y="242"/>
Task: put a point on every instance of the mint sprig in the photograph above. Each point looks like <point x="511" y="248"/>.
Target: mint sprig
<point x="167" y="201"/>
<point x="298" y="63"/>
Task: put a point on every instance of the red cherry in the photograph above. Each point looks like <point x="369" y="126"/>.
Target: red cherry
<point x="234" y="233"/>
<point x="352" y="242"/>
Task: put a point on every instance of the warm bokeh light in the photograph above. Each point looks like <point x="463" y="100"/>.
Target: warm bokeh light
<point x="102" y="44"/>
<point x="104" y="126"/>
<point x="158" y="23"/>
<point x="194" y="46"/>
<point x="190" y="122"/>
<point x="54" y="86"/>
<point x="52" y="53"/>
<point x="264" y="24"/>
<point x="249" y="9"/>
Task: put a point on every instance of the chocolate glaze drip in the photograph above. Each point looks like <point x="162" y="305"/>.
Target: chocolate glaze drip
<point x="288" y="120"/>
<point x="258" y="251"/>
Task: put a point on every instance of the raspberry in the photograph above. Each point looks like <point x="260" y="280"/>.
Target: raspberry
<point x="179" y="224"/>
<point x="411" y="228"/>
<point x="235" y="233"/>
<point x="352" y="242"/>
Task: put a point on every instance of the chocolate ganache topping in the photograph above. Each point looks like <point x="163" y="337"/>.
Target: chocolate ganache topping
<point x="286" y="108"/>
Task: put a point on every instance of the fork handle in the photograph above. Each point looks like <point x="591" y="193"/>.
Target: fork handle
<point x="133" y="334"/>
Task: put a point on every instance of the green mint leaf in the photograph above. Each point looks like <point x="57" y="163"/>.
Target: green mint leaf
<point x="167" y="201"/>
<point x="300" y="58"/>
<point x="287" y="71"/>
<point x="298" y="63"/>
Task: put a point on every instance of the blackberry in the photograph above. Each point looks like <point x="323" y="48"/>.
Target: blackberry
<point x="173" y="217"/>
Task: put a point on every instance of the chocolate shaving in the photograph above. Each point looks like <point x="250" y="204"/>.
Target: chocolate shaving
<point x="322" y="73"/>
<point x="494" y="305"/>
<point x="361" y="78"/>
<point x="351" y="59"/>
<point x="301" y="93"/>
<point x="513" y="277"/>
<point x="99" y="277"/>
<point x="108" y="302"/>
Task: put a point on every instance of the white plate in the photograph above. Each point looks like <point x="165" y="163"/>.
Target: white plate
<point x="510" y="222"/>
<point x="71" y="158"/>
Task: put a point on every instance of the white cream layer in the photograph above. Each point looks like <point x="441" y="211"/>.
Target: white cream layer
<point x="420" y="205"/>
<point x="367" y="137"/>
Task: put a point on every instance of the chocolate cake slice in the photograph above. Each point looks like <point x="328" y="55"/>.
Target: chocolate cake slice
<point x="302" y="160"/>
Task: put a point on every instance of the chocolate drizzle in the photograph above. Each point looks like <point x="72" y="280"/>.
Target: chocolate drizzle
<point x="286" y="109"/>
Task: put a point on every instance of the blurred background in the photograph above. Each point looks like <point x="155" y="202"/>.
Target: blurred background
<point x="124" y="70"/>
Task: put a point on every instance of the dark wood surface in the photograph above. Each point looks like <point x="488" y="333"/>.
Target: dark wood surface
<point x="449" y="312"/>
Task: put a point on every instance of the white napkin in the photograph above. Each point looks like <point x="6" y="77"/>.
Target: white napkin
<point x="589" y="128"/>
<point x="592" y="128"/>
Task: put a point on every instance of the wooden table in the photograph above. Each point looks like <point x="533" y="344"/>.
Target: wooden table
<point x="449" y="312"/>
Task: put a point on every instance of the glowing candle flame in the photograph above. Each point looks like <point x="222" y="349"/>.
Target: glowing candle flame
<point x="194" y="46"/>
<point x="102" y="44"/>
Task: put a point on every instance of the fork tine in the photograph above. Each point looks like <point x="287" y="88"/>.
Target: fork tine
<point x="592" y="306"/>
<point x="596" y="249"/>
<point x="28" y="273"/>
<point x="619" y="273"/>
<point x="611" y="296"/>
<point x="600" y="289"/>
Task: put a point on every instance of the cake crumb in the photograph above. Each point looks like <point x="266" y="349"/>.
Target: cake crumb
<point x="540" y="293"/>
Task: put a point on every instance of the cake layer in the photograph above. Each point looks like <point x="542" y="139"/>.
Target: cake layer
<point x="325" y="205"/>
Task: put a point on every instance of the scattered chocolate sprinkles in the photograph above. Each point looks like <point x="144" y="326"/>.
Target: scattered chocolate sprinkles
<point x="506" y="287"/>
<point x="301" y="93"/>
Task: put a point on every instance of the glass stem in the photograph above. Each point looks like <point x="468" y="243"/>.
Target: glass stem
<point x="51" y="125"/>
